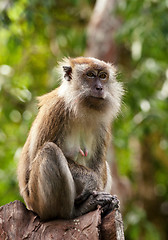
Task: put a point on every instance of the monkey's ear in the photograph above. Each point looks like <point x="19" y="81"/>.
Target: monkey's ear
<point x="68" y="71"/>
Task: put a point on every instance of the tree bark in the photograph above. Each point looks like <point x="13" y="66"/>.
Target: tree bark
<point x="101" y="30"/>
<point x="17" y="222"/>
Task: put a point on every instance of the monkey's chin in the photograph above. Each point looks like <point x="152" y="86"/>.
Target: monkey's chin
<point x="96" y="103"/>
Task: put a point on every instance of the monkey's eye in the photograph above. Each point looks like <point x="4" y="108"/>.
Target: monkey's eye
<point x="102" y="75"/>
<point x="90" y="74"/>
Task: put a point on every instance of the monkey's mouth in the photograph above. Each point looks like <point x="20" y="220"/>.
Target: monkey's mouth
<point x="97" y="97"/>
<point x="98" y="103"/>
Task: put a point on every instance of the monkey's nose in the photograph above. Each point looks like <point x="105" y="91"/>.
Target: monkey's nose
<point x="99" y="88"/>
<point x="98" y="91"/>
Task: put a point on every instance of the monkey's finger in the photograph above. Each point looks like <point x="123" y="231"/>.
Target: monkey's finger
<point x="104" y="198"/>
<point x="101" y="192"/>
<point x="96" y="193"/>
<point x="115" y="203"/>
<point x="107" y="209"/>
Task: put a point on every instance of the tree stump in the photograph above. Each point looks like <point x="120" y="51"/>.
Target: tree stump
<point x="17" y="222"/>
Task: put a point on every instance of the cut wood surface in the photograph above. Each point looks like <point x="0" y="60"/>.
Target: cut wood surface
<point x="17" y="222"/>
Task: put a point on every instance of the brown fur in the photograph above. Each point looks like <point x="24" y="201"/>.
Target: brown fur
<point x="60" y="129"/>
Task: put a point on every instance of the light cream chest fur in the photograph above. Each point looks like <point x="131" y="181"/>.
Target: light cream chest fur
<point x="80" y="144"/>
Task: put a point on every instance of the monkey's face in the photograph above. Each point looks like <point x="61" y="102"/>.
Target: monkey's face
<point x="92" y="83"/>
<point x="95" y="81"/>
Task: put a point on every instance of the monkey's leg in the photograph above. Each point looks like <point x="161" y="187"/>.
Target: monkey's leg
<point x="51" y="186"/>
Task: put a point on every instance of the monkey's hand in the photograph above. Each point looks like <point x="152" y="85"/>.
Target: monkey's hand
<point x="107" y="201"/>
<point x="103" y="199"/>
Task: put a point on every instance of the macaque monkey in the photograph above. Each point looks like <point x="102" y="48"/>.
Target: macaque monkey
<point x="63" y="172"/>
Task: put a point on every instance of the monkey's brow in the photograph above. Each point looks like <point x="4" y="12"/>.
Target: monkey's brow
<point x="97" y="68"/>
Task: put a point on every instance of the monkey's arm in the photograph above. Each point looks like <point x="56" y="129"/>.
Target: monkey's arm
<point x="89" y="179"/>
<point x="90" y="194"/>
<point x="96" y="176"/>
<point x="89" y="191"/>
<point x="86" y="180"/>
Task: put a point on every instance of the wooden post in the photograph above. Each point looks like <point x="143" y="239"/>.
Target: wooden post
<point x="17" y="222"/>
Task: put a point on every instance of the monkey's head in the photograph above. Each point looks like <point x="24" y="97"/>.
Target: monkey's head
<point x="90" y="83"/>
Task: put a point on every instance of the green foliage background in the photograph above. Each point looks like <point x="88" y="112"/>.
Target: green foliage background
<point x="34" y="35"/>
